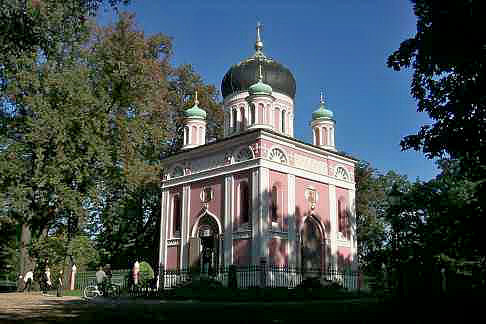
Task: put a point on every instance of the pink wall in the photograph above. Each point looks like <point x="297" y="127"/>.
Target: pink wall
<point x="242" y="252"/>
<point x="303" y="207"/>
<point x="280" y="180"/>
<point x="344" y="257"/>
<point x="240" y="177"/>
<point x="173" y="255"/>
<point x="215" y="206"/>
<point x="277" y="251"/>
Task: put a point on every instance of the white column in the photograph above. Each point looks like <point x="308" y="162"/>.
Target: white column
<point x="352" y="218"/>
<point x="228" y="219"/>
<point x="292" y="222"/>
<point x="186" y="192"/>
<point x="163" y="230"/>
<point x="255" y="216"/>
<point x="263" y="211"/>
<point x="334" y="223"/>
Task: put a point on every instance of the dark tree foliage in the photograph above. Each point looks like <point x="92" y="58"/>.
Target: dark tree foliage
<point x="439" y="220"/>
<point x="448" y="58"/>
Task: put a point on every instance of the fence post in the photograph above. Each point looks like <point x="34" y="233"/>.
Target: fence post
<point x="161" y="280"/>
<point x="263" y="273"/>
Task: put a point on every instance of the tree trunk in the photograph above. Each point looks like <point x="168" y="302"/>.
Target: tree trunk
<point x="26" y="262"/>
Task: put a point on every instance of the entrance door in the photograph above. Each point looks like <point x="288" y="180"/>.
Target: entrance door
<point x="311" y="248"/>
<point x="209" y="245"/>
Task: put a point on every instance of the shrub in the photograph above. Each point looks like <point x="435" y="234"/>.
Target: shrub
<point x="146" y="274"/>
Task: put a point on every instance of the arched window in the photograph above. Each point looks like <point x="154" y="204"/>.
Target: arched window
<point x="324" y="136"/>
<point x="283" y="121"/>
<point x="244" y="203"/>
<point x="274" y="205"/>
<point x="235" y="119"/>
<point x="176" y="216"/>
<point x="243" y="118"/>
<point x="343" y="218"/>
<point x="201" y="135"/>
<point x="186" y="135"/>
<point x="252" y="114"/>
<point x="317" y="136"/>
<point x="194" y="135"/>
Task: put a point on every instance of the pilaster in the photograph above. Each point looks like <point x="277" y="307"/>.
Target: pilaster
<point x="353" y="220"/>
<point x="334" y="223"/>
<point x="292" y="259"/>
<point x="228" y="219"/>
<point x="263" y="211"/>
<point x="185" y="233"/>
<point x="255" y="219"/>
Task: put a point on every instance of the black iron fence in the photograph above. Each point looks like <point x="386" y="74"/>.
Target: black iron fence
<point x="87" y="278"/>
<point x="263" y="276"/>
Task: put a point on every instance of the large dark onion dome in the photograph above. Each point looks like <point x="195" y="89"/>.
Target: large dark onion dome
<point x="242" y="75"/>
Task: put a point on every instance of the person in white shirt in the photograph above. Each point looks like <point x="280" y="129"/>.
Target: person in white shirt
<point x="100" y="276"/>
<point x="28" y="279"/>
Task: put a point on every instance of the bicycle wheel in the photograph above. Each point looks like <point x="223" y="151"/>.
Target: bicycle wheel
<point x="90" y="292"/>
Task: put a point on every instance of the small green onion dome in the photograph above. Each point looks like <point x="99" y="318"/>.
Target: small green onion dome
<point x="322" y="111"/>
<point x="260" y="88"/>
<point x="195" y="111"/>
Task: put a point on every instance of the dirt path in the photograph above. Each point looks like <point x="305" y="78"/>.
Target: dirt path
<point x="35" y="307"/>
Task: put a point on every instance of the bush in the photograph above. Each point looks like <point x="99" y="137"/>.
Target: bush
<point x="146" y="274"/>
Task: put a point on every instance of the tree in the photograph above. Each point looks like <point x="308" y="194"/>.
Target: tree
<point x="447" y="55"/>
<point x="448" y="81"/>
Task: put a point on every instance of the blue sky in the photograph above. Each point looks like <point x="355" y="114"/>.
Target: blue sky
<point x="340" y="46"/>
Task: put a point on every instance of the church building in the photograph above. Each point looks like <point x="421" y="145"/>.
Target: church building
<point x="258" y="194"/>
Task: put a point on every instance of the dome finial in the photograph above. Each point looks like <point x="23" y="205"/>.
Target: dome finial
<point x="322" y="97"/>
<point x="196" y="102"/>
<point x="259" y="42"/>
<point x="260" y="74"/>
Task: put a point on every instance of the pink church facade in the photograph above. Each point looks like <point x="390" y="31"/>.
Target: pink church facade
<point x="258" y="194"/>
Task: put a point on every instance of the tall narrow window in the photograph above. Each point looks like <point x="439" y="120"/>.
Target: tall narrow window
<point x="176" y="216"/>
<point x="201" y="136"/>
<point x="318" y="136"/>
<point x="235" y="119"/>
<point x="243" y="118"/>
<point x="324" y="136"/>
<point x="252" y="114"/>
<point x="343" y="219"/>
<point x="274" y="205"/>
<point x="186" y="135"/>
<point x="283" y="121"/>
<point x="244" y="203"/>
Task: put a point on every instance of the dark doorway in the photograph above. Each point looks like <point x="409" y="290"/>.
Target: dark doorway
<point x="311" y="245"/>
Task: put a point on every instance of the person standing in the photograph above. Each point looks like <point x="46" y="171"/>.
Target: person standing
<point x="28" y="279"/>
<point x="60" y="285"/>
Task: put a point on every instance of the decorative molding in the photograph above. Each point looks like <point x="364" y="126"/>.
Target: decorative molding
<point x="245" y="153"/>
<point x="277" y="154"/>
<point x="341" y="173"/>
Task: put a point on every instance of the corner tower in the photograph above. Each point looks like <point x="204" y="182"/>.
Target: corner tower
<point x="194" y="126"/>
<point x="323" y="125"/>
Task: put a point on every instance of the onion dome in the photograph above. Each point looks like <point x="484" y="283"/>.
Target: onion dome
<point x="260" y="87"/>
<point x="195" y="111"/>
<point x="242" y="75"/>
<point x="322" y="111"/>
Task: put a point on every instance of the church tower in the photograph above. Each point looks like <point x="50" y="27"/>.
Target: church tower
<point x="258" y="92"/>
<point x="323" y="125"/>
<point x="194" y="126"/>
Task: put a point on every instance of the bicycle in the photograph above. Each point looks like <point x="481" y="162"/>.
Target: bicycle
<point x="92" y="291"/>
<point x="109" y="290"/>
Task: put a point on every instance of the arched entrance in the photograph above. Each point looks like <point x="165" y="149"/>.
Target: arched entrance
<point x="312" y="249"/>
<point x="204" y="246"/>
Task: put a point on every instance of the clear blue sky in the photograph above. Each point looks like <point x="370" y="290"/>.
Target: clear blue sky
<point x="340" y="46"/>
